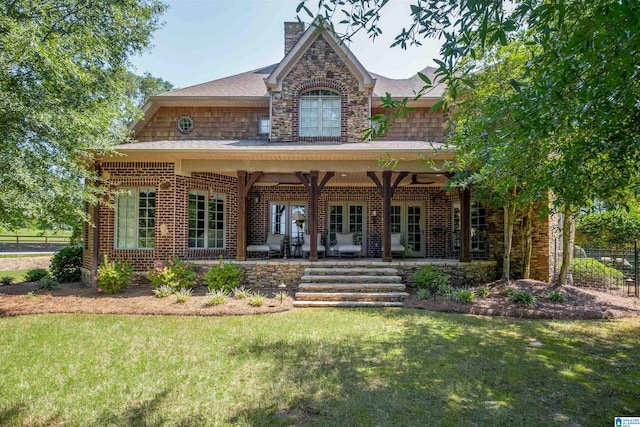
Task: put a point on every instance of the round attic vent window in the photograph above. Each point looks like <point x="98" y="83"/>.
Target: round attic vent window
<point x="185" y="125"/>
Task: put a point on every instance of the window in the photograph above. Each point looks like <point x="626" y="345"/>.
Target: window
<point x="185" y="125"/>
<point x="264" y="125"/>
<point x="320" y="113"/>
<point x="206" y="220"/>
<point x="479" y="243"/>
<point x="136" y="219"/>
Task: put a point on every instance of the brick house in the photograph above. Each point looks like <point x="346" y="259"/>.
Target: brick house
<point x="220" y="166"/>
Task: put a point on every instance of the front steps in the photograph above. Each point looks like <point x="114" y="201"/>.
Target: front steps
<point x="350" y="286"/>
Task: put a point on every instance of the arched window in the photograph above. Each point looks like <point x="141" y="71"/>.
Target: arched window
<point x="320" y="113"/>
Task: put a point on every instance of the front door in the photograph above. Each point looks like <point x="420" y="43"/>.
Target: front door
<point x="347" y="217"/>
<point x="407" y="218"/>
<point x="289" y="219"/>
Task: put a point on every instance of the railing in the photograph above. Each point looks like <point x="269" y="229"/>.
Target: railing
<point x="32" y="239"/>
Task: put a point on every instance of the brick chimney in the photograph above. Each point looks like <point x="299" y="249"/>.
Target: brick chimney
<point x="292" y="32"/>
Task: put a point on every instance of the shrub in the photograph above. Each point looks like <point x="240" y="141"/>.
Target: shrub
<point x="508" y="292"/>
<point x="224" y="276"/>
<point x="183" y="294"/>
<point x="66" y="264"/>
<point x="423" y="293"/>
<point x="464" y="295"/>
<point x="174" y="273"/>
<point x="241" y="293"/>
<point x="113" y="276"/>
<point x="446" y="290"/>
<point x="163" y="291"/>
<point x="483" y="292"/>
<point x="35" y="274"/>
<point x="217" y="297"/>
<point x="256" y="300"/>
<point x="6" y="280"/>
<point x="556" y="296"/>
<point x="523" y="298"/>
<point x="281" y="296"/>
<point x="47" y="284"/>
<point x="591" y="272"/>
<point x="430" y="278"/>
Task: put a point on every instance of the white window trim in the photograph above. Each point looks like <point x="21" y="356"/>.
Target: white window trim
<point x="136" y="191"/>
<point x="206" y="195"/>
<point x="319" y="129"/>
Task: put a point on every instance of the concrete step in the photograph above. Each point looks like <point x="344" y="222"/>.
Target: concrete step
<point x="350" y="279"/>
<point x="351" y="296"/>
<point x="353" y="271"/>
<point x="348" y="304"/>
<point x="351" y="287"/>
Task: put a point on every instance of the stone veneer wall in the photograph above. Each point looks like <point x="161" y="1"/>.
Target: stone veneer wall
<point x="209" y="122"/>
<point x="320" y="67"/>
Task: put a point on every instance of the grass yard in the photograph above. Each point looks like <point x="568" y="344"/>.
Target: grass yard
<point x="316" y="367"/>
<point x="18" y="275"/>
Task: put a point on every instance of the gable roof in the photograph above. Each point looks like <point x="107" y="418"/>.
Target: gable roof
<point x="315" y="30"/>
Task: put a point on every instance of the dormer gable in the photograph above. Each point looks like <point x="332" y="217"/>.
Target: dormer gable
<point x="304" y="42"/>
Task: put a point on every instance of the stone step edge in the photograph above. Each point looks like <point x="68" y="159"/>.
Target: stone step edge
<point x="340" y="286"/>
<point x="347" y="278"/>
<point x="354" y="269"/>
<point x="353" y="294"/>
<point x="348" y="304"/>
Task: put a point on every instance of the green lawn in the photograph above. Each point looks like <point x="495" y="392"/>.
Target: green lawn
<point x="316" y="367"/>
<point x="18" y="275"/>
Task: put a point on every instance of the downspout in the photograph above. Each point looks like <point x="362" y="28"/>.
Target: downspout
<point x="270" y="114"/>
<point x="369" y="106"/>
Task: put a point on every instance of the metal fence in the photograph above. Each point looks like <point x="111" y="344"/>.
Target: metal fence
<point x="607" y="269"/>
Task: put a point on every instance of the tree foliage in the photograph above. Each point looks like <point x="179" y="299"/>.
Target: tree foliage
<point x="616" y="228"/>
<point x="63" y="95"/>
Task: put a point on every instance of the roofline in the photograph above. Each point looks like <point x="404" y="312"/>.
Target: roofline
<point x="315" y="30"/>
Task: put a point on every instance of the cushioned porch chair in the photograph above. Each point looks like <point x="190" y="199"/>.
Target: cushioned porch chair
<point x="273" y="246"/>
<point x="345" y="245"/>
<point x="306" y="246"/>
<point x="396" y="244"/>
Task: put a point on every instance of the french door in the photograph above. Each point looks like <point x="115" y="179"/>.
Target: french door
<point x="407" y="218"/>
<point x="347" y="217"/>
<point x="289" y="219"/>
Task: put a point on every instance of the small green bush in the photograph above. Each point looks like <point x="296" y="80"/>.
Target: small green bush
<point x="281" y="296"/>
<point x="175" y="273"/>
<point x="423" y="293"/>
<point x="523" y="298"/>
<point x="217" y="297"/>
<point x="430" y="278"/>
<point x="256" y="300"/>
<point x="224" y="276"/>
<point x="241" y="293"/>
<point x="183" y="294"/>
<point x="47" y="284"/>
<point x="163" y="291"/>
<point x="591" y="272"/>
<point x="35" y="274"/>
<point x="446" y="290"/>
<point x="6" y="280"/>
<point x="557" y="296"/>
<point x="66" y="264"/>
<point x="483" y="292"/>
<point x="507" y="292"/>
<point x="464" y="295"/>
<point x="113" y="276"/>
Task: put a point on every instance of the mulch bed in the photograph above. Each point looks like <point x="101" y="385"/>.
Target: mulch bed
<point x="25" y="298"/>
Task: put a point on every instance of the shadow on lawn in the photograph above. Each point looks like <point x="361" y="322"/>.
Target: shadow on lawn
<point x="443" y="369"/>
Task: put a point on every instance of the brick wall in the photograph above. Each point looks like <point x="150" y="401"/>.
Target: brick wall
<point x="421" y="125"/>
<point x="319" y="67"/>
<point x="209" y="122"/>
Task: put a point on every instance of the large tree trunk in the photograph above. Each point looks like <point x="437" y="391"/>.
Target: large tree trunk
<point x="566" y="246"/>
<point x="509" y="217"/>
<point x="528" y="244"/>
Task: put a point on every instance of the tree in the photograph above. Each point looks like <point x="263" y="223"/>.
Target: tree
<point x="145" y="86"/>
<point x="63" y="81"/>
<point x="575" y="101"/>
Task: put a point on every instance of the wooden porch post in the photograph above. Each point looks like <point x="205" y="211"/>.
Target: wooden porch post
<point x="314" y="189"/>
<point x="387" y="191"/>
<point x="465" y="225"/>
<point x="241" y="226"/>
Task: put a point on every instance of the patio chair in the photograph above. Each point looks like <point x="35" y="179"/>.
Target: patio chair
<point x="396" y="244"/>
<point x="306" y="246"/>
<point x="273" y="246"/>
<point x="345" y="245"/>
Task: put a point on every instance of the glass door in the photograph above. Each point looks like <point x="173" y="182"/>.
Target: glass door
<point x="407" y="218"/>
<point x="290" y="220"/>
<point x="347" y="218"/>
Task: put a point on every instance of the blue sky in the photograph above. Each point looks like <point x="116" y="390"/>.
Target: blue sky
<point x="204" y="40"/>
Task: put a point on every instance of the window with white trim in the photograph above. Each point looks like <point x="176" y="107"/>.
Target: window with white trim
<point x="206" y="220"/>
<point x="136" y="219"/>
<point x="264" y="125"/>
<point x="320" y="113"/>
